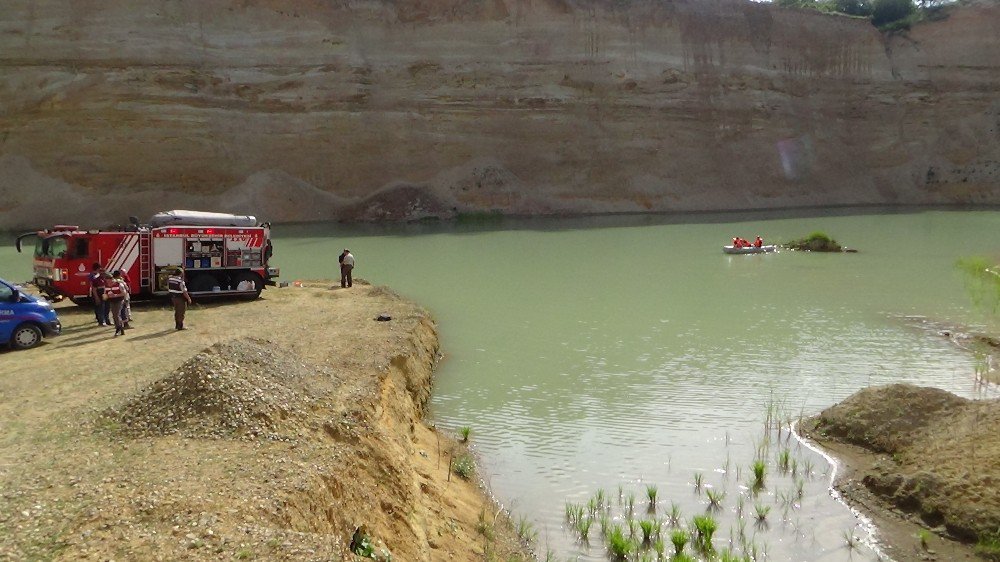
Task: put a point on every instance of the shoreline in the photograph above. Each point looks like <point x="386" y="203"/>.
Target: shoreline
<point x="287" y="428"/>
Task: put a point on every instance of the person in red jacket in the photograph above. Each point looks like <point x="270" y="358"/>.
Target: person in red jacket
<point x="758" y="242"/>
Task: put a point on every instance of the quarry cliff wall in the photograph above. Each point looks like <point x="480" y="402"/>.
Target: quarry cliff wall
<point x="378" y="110"/>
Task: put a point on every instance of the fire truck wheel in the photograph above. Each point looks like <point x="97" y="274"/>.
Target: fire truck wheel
<point x="26" y="336"/>
<point x="258" y="283"/>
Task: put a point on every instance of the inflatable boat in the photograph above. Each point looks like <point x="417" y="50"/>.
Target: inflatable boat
<point x="750" y="249"/>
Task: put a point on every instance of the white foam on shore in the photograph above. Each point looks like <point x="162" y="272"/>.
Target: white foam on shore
<point x="870" y="538"/>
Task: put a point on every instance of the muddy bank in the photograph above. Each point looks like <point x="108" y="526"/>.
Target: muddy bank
<point x="918" y="459"/>
<point x="282" y="429"/>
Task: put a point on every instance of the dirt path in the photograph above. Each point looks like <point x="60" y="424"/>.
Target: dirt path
<point x="276" y="429"/>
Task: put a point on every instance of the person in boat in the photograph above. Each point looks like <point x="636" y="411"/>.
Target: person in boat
<point x="758" y="242"/>
<point x="736" y="241"/>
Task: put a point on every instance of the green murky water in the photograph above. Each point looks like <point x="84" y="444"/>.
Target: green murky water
<point x="616" y="352"/>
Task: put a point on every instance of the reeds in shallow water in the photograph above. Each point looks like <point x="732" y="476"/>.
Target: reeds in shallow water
<point x="678" y="538"/>
<point x="758" y="468"/>
<point x="583" y="528"/>
<point x="784" y="459"/>
<point x="705" y="526"/>
<point x="715" y="498"/>
<point x="650" y="528"/>
<point x="651" y="495"/>
<point x="674" y="519"/>
<point x="619" y="546"/>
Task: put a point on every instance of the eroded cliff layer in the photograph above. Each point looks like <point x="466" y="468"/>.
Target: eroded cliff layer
<point x="375" y="110"/>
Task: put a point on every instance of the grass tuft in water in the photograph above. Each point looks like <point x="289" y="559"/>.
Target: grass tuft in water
<point x="674" y="518"/>
<point x="784" y="459"/>
<point x="574" y="512"/>
<point x="651" y="495"/>
<point x="758" y="468"/>
<point x="730" y="556"/>
<point x="605" y="521"/>
<point x="679" y="538"/>
<point x="619" y="546"/>
<point x="705" y="526"/>
<point x="526" y="530"/>
<point x="630" y="503"/>
<point x="699" y="481"/>
<point x="649" y="528"/>
<point x="465" y="432"/>
<point x="715" y="498"/>
<point x="659" y="547"/>
<point x="761" y="511"/>
<point x="583" y="527"/>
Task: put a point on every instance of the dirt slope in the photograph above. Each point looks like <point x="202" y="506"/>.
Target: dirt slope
<point x="279" y="429"/>
<point x="920" y="453"/>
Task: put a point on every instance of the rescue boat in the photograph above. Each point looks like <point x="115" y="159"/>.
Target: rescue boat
<point x="750" y="249"/>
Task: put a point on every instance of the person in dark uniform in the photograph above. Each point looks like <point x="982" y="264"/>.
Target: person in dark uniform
<point x="101" y="309"/>
<point x="179" y="296"/>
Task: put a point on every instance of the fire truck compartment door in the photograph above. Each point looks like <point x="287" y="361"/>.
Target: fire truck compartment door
<point x="168" y="251"/>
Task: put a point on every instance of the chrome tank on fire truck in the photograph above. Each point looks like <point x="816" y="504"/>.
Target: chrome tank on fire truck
<point x="221" y="254"/>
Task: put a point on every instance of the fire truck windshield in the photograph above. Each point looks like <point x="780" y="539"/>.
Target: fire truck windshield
<point x="51" y="247"/>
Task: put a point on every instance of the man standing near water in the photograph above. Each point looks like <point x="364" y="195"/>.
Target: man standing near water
<point x="346" y="266"/>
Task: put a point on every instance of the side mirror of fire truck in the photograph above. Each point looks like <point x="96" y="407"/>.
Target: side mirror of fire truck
<point x="17" y="241"/>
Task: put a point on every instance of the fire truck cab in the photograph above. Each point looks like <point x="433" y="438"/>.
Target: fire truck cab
<point x="221" y="254"/>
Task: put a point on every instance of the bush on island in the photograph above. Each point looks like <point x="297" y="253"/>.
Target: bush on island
<point x="816" y="242"/>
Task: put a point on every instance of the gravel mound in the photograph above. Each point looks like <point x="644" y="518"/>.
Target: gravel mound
<point x="241" y="389"/>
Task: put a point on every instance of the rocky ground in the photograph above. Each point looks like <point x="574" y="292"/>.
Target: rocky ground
<point x="289" y="428"/>
<point x="924" y="462"/>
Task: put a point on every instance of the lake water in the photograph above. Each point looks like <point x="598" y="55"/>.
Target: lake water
<point x="620" y="352"/>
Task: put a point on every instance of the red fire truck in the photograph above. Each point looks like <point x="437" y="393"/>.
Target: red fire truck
<point x="221" y="254"/>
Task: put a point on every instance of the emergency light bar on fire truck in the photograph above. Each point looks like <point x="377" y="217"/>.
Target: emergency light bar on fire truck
<point x="221" y="254"/>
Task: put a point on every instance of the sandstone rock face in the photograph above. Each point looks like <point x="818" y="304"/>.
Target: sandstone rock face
<point x="378" y="110"/>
